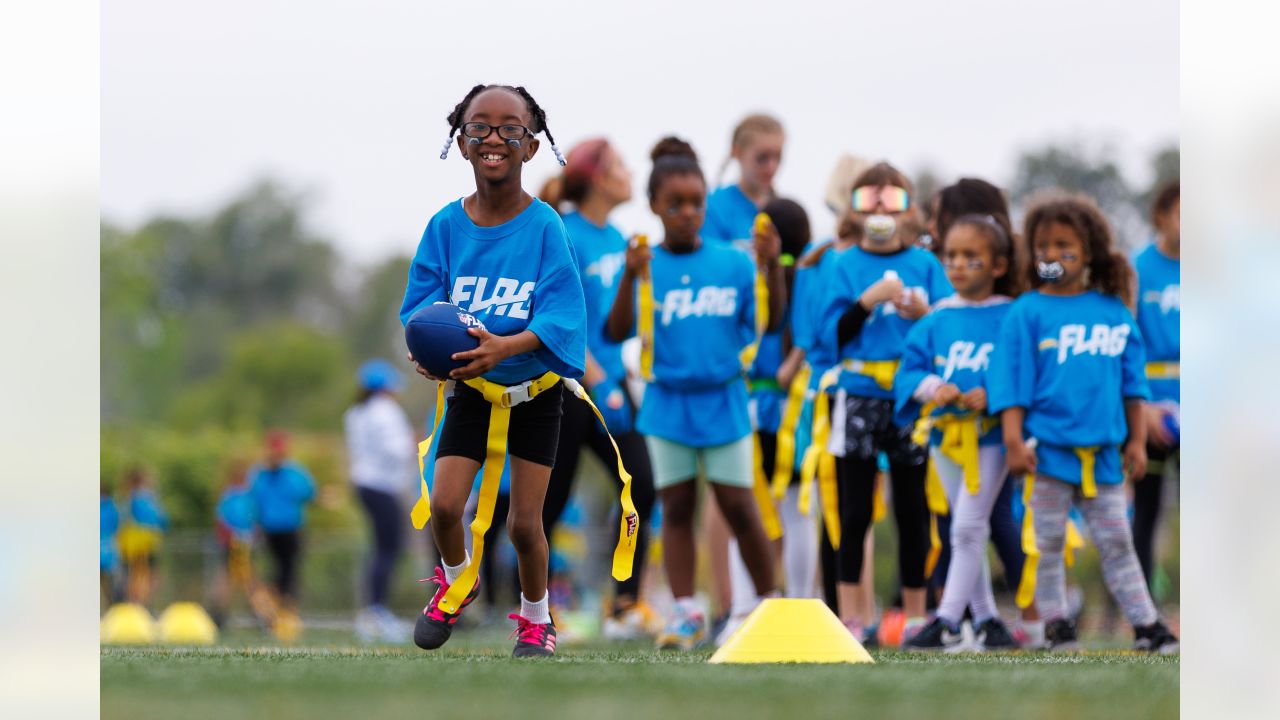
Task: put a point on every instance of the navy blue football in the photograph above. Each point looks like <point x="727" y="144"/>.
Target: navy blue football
<point x="436" y="332"/>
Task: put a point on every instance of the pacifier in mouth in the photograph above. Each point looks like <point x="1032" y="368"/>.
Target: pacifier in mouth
<point x="1049" y="271"/>
<point x="880" y="228"/>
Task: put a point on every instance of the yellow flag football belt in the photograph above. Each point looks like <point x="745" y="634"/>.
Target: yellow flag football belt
<point x="818" y="462"/>
<point x="1166" y="370"/>
<point x="501" y="399"/>
<point x="882" y="371"/>
<point x="1074" y="540"/>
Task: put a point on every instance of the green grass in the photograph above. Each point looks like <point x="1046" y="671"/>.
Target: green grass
<point x="478" y="680"/>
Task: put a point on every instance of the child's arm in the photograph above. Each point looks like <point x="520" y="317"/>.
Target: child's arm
<point x="768" y="245"/>
<point x="622" y="316"/>
<point x="1135" y="448"/>
<point x="1022" y="458"/>
<point x="492" y="350"/>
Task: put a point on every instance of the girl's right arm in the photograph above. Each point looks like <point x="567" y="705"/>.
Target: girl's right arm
<point x="622" y="316"/>
<point x="1022" y="458"/>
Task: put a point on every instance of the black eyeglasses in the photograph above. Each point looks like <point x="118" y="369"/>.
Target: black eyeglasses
<point x="481" y="131"/>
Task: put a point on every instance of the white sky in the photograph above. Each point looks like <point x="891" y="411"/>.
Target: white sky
<point x="346" y="100"/>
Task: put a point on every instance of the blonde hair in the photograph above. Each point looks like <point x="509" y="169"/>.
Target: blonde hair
<point x="750" y="126"/>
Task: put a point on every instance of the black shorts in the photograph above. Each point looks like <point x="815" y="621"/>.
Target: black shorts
<point x="869" y="429"/>
<point x="532" y="435"/>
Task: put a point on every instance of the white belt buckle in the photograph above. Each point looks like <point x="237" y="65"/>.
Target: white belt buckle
<point x="516" y="394"/>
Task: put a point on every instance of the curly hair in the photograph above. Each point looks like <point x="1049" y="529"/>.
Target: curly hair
<point x="1109" y="271"/>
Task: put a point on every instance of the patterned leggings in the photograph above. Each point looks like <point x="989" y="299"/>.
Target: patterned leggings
<point x="1109" y="526"/>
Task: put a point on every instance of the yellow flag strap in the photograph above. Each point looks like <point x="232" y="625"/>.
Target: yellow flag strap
<point x="785" y="457"/>
<point x="644" y="317"/>
<point x="1088" y="483"/>
<point x="818" y="462"/>
<point x="422" y="508"/>
<point x="1163" y="370"/>
<point x="1075" y="541"/>
<point x="624" y="552"/>
<point x="882" y="371"/>
<point x="759" y="488"/>
<point x="935" y="547"/>
<point x="1027" y="586"/>
<point x="879" y="506"/>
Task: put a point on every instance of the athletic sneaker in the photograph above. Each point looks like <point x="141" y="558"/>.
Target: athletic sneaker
<point x="1155" y="638"/>
<point x="533" y="639"/>
<point x="631" y="620"/>
<point x="871" y="637"/>
<point x="685" y="631"/>
<point x="1060" y="636"/>
<point x="993" y="635"/>
<point x="718" y="623"/>
<point x="937" y="635"/>
<point x="434" y="625"/>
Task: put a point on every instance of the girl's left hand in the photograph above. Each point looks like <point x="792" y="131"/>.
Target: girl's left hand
<point x="491" y="351"/>
<point x="1135" y="460"/>
<point x="975" y="399"/>
<point x="768" y="245"/>
<point x="914" y="309"/>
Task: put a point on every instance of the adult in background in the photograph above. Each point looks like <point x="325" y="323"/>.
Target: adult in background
<point x="383" y="458"/>
<point x="281" y="488"/>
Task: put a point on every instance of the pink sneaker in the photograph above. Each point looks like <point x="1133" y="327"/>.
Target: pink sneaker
<point x="533" y="639"/>
<point x="434" y="625"/>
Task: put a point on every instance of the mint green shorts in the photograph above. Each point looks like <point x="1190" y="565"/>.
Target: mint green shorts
<point x="728" y="464"/>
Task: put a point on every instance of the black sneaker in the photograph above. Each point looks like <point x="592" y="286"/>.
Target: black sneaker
<point x="1155" y="638"/>
<point x="533" y="639"/>
<point x="994" y="635"/>
<point x="717" y="625"/>
<point x="434" y="625"/>
<point x="1060" y="636"/>
<point x="937" y="635"/>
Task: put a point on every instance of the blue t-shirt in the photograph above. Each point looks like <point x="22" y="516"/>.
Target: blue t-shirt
<point x="1160" y="314"/>
<point x="884" y="332"/>
<point x="145" y="509"/>
<point x="520" y="275"/>
<point x="236" y="510"/>
<point x="108" y="525"/>
<point x="280" y="494"/>
<point x="601" y="254"/>
<point x="1071" y="362"/>
<point x="730" y="217"/>
<point x="704" y="315"/>
<point x="953" y="342"/>
<point x="809" y="300"/>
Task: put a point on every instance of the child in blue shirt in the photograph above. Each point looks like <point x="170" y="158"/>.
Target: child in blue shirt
<point x="503" y="256"/>
<point x="695" y="407"/>
<point x="943" y="371"/>
<point x="878" y="290"/>
<point x="595" y="181"/>
<point x="756" y="146"/>
<point x="108" y="549"/>
<point x="1159" y="312"/>
<point x="1068" y="371"/>
<point x="281" y="488"/>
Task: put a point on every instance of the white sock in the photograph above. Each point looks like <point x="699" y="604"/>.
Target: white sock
<point x="538" y="612"/>
<point x="451" y="572"/>
<point x="1035" y="632"/>
<point x="688" y="605"/>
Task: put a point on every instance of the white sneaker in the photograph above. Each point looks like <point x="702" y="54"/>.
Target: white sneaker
<point x="367" y="626"/>
<point x="637" y="622"/>
<point x="391" y="629"/>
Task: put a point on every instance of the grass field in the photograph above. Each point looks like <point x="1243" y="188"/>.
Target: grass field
<point x="473" y="679"/>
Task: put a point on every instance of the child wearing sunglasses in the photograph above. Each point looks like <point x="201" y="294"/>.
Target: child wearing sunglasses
<point x="942" y="382"/>
<point x="691" y="303"/>
<point x="878" y="290"/>
<point x="1069" y="372"/>
<point x="503" y="256"/>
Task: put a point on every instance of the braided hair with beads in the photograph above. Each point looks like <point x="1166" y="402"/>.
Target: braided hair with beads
<point x="538" y="115"/>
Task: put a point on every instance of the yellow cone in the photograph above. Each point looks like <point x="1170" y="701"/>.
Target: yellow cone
<point x="127" y="624"/>
<point x="186" y="623"/>
<point x="792" y="631"/>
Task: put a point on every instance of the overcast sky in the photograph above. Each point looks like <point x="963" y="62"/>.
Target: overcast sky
<point x="346" y="100"/>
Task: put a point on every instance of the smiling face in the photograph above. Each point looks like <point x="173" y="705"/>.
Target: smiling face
<point x="493" y="158"/>
<point x="680" y="202"/>
<point x="1059" y="242"/>
<point x="759" y="156"/>
<point x="971" y="266"/>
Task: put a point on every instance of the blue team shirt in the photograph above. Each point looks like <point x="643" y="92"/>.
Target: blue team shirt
<point x="730" y="217"/>
<point x="704" y="315"/>
<point x="601" y="254"/>
<point x="520" y="275"/>
<point x="953" y="342"/>
<point x="280" y="494"/>
<point x="108" y="525"/>
<point x="145" y="509"/>
<point x="884" y="332"/>
<point x="809" y="300"/>
<point x="1160" y="314"/>
<point x="1071" y="362"/>
<point x="237" y="511"/>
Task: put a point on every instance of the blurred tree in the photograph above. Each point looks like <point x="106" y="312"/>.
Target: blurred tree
<point x="1166" y="165"/>
<point x="1077" y="167"/>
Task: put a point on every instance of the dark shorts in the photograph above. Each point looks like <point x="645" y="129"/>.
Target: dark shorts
<point x="869" y="429"/>
<point x="533" y="432"/>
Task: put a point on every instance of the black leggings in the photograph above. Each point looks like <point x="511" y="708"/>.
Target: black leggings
<point x="857" y="485"/>
<point x="579" y="427"/>
<point x="285" y="547"/>
<point x="1146" y="510"/>
<point x="387" y="523"/>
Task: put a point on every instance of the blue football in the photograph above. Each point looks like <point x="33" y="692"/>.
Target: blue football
<point x="435" y="332"/>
